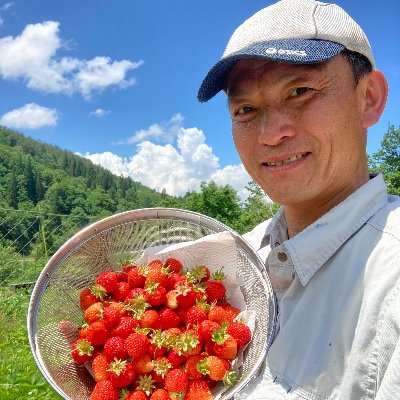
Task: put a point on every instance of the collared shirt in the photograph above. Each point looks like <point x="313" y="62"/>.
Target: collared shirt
<point x="338" y="289"/>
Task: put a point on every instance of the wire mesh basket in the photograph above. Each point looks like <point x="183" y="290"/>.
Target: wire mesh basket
<point x="101" y="246"/>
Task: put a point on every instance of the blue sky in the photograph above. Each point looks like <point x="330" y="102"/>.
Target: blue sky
<point x="117" y="81"/>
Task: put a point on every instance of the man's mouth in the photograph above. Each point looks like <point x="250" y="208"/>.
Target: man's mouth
<point x="286" y="161"/>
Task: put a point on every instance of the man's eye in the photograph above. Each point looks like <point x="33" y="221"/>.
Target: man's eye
<point x="243" y="110"/>
<point x="299" y="91"/>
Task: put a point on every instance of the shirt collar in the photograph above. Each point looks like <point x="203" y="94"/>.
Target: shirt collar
<point x="335" y="227"/>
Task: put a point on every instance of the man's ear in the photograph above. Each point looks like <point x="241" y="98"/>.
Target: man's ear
<point x="375" y="91"/>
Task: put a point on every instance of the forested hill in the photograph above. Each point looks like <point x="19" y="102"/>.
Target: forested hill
<point x="35" y="174"/>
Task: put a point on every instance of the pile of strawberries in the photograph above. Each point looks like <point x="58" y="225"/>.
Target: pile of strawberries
<point x="158" y="332"/>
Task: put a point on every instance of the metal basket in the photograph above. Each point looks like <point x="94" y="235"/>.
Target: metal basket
<point x="101" y="246"/>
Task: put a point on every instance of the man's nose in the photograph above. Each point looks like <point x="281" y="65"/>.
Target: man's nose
<point x="276" y="126"/>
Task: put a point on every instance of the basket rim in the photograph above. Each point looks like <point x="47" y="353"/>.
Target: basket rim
<point x="119" y="219"/>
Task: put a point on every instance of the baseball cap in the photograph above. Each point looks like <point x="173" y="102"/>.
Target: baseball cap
<point x="292" y="31"/>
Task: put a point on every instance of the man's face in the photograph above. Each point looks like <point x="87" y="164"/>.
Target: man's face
<point x="298" y="129"/>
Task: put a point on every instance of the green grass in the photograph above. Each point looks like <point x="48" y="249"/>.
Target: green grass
<point x="20" y="377"/>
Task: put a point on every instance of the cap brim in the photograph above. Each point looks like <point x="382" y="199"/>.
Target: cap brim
<point x="295" y="51"/>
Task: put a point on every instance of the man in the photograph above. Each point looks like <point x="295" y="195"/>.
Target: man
<point x="302" y="92"/>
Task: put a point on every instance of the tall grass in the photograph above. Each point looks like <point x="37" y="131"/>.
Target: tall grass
<point x="19" y="376"/>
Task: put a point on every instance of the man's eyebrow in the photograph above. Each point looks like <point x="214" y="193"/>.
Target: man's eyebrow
<point x="304" y="70"/>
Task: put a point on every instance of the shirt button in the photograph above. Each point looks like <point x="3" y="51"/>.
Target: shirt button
<point x="282" y="256"/>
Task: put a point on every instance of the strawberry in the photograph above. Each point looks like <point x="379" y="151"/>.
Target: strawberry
<point x="155" y="263"/>
<point x="214" y="367"/>
<point x="206" y="328"/>
<point x="145" y="383"/>
<point x="97" y="333"/>
<point x="168" y="319"/>
<point x="176" y="381"/>
<point x="142" y="364"/>
<point x="104" y="390"/>
<point x="114" y="347"/>
<point x="175" y="358"/>
<point x="240" y="331"/>
<point x="150" y="319"/>
<point x="121" y="373"/>
<point x="226" y="348"/>
<point x="100" y="367"/>
<point x="136" y="395"/>
<point x="94" y="312"/>
<point x="188" y="343"/>
<point x="196" y="314"/>
<point x="125" y="327"/>
<point x="121" y="291"/>
<point x="173" y="265"/>
<point x="107" y="280"/>
<point x="160" y="394"/>
<point x="156" y="274"/>
<point x="231" y="311"/>
<point x="112" y="314"/>
<point x="87" y="298"/>
<point x="137" y="344"/>
<point x="191" y="366"/>
<point x="186" y="296"/>
<point x="81" y="350"/>
<point x="215" y="291"/>
<point x="155" y="294"/>
<point x="136" y="279"/>
<point x="198" y="389"/>
<point x="161" y="366"/>
<point x="173" y="279"/>
<point x="217" y="314"/>
<point x="200" y="273"/>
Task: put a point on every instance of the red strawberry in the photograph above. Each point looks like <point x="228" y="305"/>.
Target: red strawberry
<point x="125" y="327"/>
<point x="176" y="381"/>
<point x="104" y="390"/>
<point x="156" y="274"/>
<point x="168" y="319"/>
<point x="217" y="314"/>
<point x="142" y="364"/>
<point x="186" y="296"/>
<point x="97" y="333"/>
<point x="121" y="291"/>
<point x="200" y="273"/>
<point x="87" y="298"/>
<point x="155" y="294"/>
<point x="175" y="358"/>
<point x="135" y="278"/>
<point x="81" y="350"/>
<point x="94" y="312"/>
<point x="160" y="394"/>
<point x="231" y="311"/>
<point x="137" y="344"/>
<point x="100" y="367"/>
<point x="214" y="367"/>
<point x="215" y="290"/>
<point x="206" y="328"/>
<point x="112" y="314"/>
<point x="150" y="319"/>
<point x="198" y="389"/>
<point x="108" y="280"/>
<point x="173" y="279"/>
<point x="137" y="395"/>
<point x="114" y="347"/>
<point x="173" y="265"/>
<point x="227" y="349"/>
<point x="191" y="366"/>
<point x="240" y="331"/>
<point x="121" y="373"/>
<point x="195" y="315"/>
<point x="155" y="263"/>
<point x="161" y="366"/>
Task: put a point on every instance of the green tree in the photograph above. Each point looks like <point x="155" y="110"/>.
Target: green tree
<point x="387" y="159"/>
<point x="12" y="192"/>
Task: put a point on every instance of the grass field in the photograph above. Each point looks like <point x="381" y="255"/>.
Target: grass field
<point x="20" y="378"/>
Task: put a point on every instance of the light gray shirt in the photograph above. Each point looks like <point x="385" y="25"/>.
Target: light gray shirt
<point x="338" y="289"/>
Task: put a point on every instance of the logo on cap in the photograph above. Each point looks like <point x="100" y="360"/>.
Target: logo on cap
<point x="289" y="52"/>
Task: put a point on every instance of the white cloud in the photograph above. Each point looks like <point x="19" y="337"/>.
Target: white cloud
<point x="6" y="6"/>
<point x="99" y="112"/>
<point x="179" y="168"/>
<point x="163" y="132"/>
<point x="31" y="57"/>
<point x="30" y="116"/>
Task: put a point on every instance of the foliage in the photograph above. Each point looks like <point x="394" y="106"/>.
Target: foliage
<point x="387" y="159"/>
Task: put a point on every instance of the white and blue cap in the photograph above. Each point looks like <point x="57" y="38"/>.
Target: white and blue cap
<point x="292" y="31"/>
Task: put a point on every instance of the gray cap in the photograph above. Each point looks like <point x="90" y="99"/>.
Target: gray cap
<point x="293" y="31"/>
